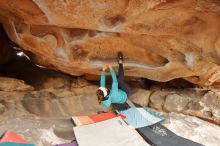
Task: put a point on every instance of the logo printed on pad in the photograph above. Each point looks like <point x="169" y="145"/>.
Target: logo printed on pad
<point x="159" y="131"/>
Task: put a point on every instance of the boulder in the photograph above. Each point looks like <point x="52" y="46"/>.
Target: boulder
<point x="2" y="108"/>
<point x="141" y="97"/>
<point x="200" y="103"/>
<point x="11" y="84"/>
<point x="161" y="40"/>
<point x="175" y="102"/>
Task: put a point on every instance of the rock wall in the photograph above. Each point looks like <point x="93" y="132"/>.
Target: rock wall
<point x="42" y="116"/>
<point x="161" y="39"/>
<point x="6" y="53"/>
<point x="202" y="103"/>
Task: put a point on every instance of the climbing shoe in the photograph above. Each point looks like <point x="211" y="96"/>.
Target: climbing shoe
<point x="120" y="57"/>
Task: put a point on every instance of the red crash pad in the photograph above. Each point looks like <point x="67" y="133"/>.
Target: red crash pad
<point x="10" y="136"/>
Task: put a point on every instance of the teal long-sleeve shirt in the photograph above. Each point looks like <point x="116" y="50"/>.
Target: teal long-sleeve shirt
<point x="116" y="95"/>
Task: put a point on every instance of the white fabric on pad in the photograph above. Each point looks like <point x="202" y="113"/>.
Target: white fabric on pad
<point x="112" y="132"/>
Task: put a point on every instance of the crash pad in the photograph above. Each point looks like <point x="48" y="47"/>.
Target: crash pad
<point x="157" y="134"/>
<point x="14" y="144"/>
<point x="112" y="132"/>
<point x="141" y="117"/>
<point x="74" y="143"/>
<point x="10" y="136"/>
<point x="83" y="120"/>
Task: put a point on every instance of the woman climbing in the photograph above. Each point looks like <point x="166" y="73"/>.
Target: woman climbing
<point x="119" y="91"/>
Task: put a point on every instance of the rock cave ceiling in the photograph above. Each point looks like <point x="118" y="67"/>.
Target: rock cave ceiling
<point x="161" y="39"/>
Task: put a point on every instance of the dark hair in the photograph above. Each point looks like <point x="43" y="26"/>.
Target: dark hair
<point x="100" y="95"/>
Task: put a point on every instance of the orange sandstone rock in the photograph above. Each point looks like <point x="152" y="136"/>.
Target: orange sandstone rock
<point x="161" y="39"/>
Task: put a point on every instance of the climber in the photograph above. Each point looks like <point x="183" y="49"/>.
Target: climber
<point x="119" y="91"/>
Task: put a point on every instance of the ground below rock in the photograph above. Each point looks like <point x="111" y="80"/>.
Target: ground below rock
<point x="193" y="128"/>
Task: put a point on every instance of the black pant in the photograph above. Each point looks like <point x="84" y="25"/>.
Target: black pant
<point x="121" y="84"/>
